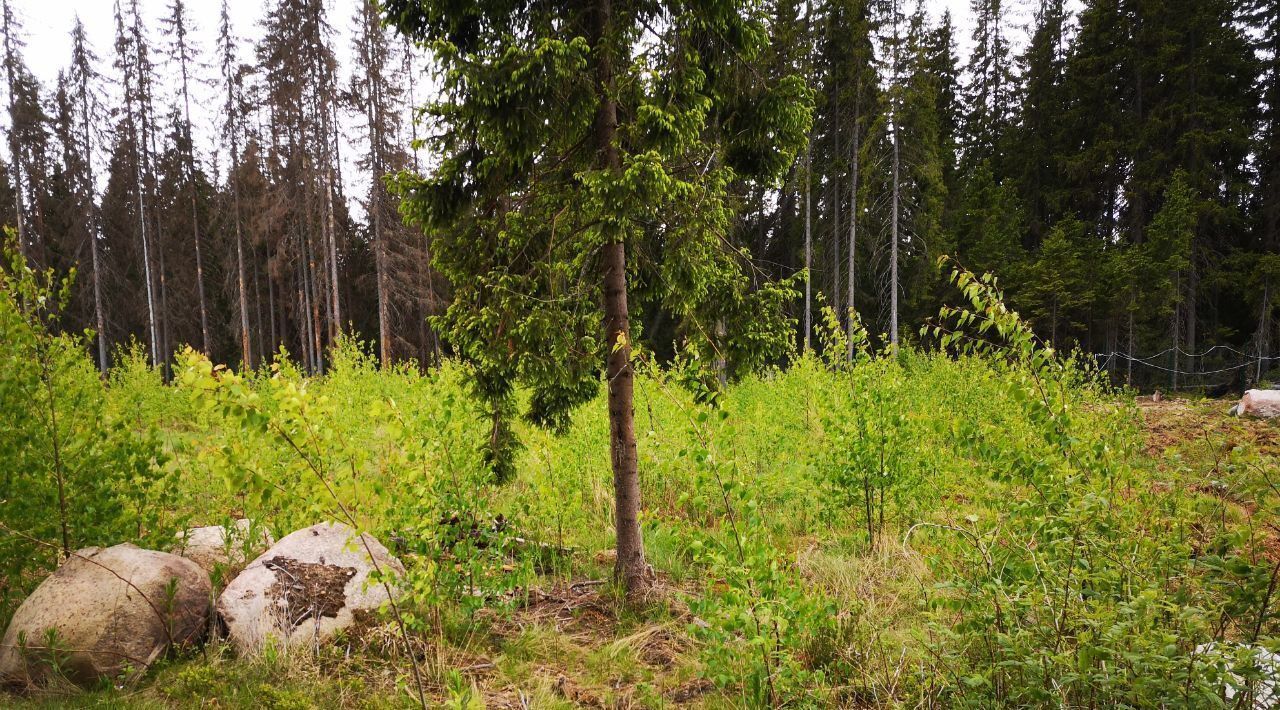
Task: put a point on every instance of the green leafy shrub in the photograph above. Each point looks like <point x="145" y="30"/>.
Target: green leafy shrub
<point x="1081" y="591"/>
<point x="72" y="473"/>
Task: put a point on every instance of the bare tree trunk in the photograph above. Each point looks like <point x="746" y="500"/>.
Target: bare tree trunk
<point x="893" y="248"/>
<point x="1193" y="287"/>
<point x="808" y="243"/>
<point x="335" y="310"/>
<point x="1128" y="376"/>
<point x="631" y="569"/>
<point x="808" y="207"/>
<point x="380" y="266"/>
<point x="1177" y="329"/>
<point x="180" y="32"/>
<point x="232" y="109"/>
<point x="853" y="218"/>
<point x="835" y="209"/>
<point x="246" y="349"/>
<point x="721" y="365"/>
<point x="140" y="200"/>
<point x="373" y="59"/>
<point x="1263" y="327"/>
<point x="894" y="117"/>
<point x="90" y="224"/>
<point x="15" y="153"/>
<point x="431" y="344"/>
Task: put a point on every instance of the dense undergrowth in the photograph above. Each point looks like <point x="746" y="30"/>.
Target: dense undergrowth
<point x="981" y="525"/>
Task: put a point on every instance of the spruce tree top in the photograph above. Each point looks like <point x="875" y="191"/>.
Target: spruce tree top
<point x="522" y="200"/>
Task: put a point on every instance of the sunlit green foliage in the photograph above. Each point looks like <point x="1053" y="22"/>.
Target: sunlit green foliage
<point x="72" y="472"/>
<point x="523" y="201"/>
<point x="978" y="526"/>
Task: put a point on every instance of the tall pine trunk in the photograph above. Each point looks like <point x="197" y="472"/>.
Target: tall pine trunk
<point x="808" y="242"/>
<point x="15" y="152"/>
<point x="853" y="218"/>
<point x="893" y="230"/>
<point x="99" y="318"/>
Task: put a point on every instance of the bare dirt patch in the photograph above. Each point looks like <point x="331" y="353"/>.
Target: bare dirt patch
<point x="1174" y="423"/>
<point x="308" y="590"/>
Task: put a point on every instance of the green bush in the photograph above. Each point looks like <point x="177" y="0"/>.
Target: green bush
<point x="72" y="473"/>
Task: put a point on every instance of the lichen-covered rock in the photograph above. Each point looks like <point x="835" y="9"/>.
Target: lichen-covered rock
<point x="305" y="588"/>
<point x="214" y="545"/>
<point x="110" y="610"/>
<point x="1259" y="403"/>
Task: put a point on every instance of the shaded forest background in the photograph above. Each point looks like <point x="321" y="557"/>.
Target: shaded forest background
<point x="1120" y="172"/>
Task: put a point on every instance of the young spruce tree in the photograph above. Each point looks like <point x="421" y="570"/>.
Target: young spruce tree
<point x="585" y="145"/>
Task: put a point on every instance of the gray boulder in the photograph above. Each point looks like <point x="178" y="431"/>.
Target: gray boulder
<point x="214" y="545"/>
<point x="308" y="586"/>
<point x="111" y="610"/>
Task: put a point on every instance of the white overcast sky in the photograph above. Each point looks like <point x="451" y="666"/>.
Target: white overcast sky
<point x="47" y="26"/>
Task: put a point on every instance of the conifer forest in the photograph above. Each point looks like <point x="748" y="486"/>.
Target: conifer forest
<point x="607" y="353"/>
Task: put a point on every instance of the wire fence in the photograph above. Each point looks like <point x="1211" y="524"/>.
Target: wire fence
<point x="1178" y="369"/>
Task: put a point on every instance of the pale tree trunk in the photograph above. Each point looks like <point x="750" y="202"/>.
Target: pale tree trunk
<point x="333" y="256"/>
<point x="1264" y="327"/>
<point x="1128" y="376"/>
<point x="100" y="321"/>
<point x="431" y="344"/>
<point x="1177" y="329"/>
<point x="373" y="112"/>
<point x="808" y="243"/>
<point x="893" y="231"/>
<point x="232" y="109"/>
<point x="246" y="349"/>
<point x="146" y="152"/>
<point x="1193" y="287"/>
<point x="853" y="218"/>
<point x="380" y="266"/>
<point x="808" y="209"/>
<point x="893" y="247"/>
<point x="180" y="29"/>
<point x="835" y="209"/>
<point x="721" y="364"/>
<point x="81" y="64"/>
<point x="139" y="191"/>
<point x="631" y="569"/>
<point x="15" y="152"/>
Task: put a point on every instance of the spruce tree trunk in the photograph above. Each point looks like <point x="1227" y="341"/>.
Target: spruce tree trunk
<point x="1263" y="327"/>
<point x="181" y="30"/>
<point x="808" y="242"/>
<point x="808" y="207"/>
<point x="893" y="230"/>
<point x="15" y="159"/>
<point x="1193" y="289"/>
<point x="330" y="217"/>
<point x="99" y="318"/>
<point x="630" y="569"/>
<point x="893" y="248"/>
<point x="835" y="209"/>
<point x="246" y="350"/>
<point x="853" y="218"/>
<point x="380" y="267"/>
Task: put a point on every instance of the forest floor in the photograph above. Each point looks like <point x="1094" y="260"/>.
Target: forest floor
<point x="571" y="641"/>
